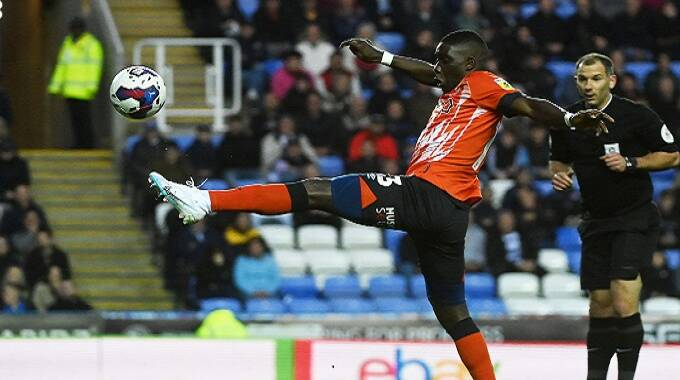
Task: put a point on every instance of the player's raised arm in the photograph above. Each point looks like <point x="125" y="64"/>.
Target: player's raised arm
<point x="417" y="69"/>
<point x="548" y="113"/>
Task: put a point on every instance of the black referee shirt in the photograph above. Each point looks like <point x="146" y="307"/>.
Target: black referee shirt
<point x="636" y="132"/>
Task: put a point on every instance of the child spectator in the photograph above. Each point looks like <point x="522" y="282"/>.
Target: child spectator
<point x="256" y="274"/>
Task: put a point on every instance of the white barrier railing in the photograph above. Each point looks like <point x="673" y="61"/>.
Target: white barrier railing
<point x="214" y="78"/>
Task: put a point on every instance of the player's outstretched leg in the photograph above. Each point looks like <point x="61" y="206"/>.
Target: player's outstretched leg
<point x="194" y="204"/>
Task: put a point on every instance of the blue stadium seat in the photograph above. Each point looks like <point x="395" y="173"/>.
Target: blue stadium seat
<point x="661" y="185"/>
<point x="574" y="259"/>
<point x="352" y="305"/>
<point x="331" y="166"/>
<point x="342" y="287"/>
<point x="210" y="304"/>
<point x="544" y="187"/>
<point x="528" y="10"/>
<point x="561" y="69"/>
<point x="493" y="307"/>
<point x="397" y="305"/>
<point x="215" y="184"/>
<point x="272" y="65"/>
<point x="480" y="285"/>
<point x="392" y="241"/>
<point x="387" y="286"/>
<point x="248" y="8"/>
<point x="406" y="93"/>
<point x="308" y="306"/>
<point x="301" y="287"/>
<point x="568" y="238"/>
<point x="675" y="68"/>
<point x="265" y="306"/>
<point x="673" y="258"/>
<point x="183" y="141"/>
<point x="417" y="286"/>
<point x="249" y="181"/>
<point x="668" y="175"/>
<point x="424" y="304"/>
<point x="640" y="70"/>
<point x="394" y="42"/>
<point x="367" y="94"/>
<point x="565" y="9"/>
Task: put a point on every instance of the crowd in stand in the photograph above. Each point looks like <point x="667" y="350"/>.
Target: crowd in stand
<point x="35" y="274"/>
<point x="308" y="101"/>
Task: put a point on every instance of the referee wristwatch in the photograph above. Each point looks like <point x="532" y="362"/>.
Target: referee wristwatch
<point x="631" y="163"/>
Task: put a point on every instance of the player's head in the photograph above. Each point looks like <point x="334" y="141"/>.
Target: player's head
<point x="595" y="78"/>
<point x="77" y="26"/>
<point x="457" y="54"/>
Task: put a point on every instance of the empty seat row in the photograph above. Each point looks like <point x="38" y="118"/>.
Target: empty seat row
<point x="528" y="285"/>
<point x="322" y="236"/>
<point x="329" y="262"/>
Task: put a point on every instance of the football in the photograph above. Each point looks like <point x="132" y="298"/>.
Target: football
<point x="137" y="92"/>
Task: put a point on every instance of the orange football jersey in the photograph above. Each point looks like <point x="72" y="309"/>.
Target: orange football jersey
<point x="453" y="146"/>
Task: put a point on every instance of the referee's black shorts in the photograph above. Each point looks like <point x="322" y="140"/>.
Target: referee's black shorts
<point x="436" y="221"/>
<point x="618" y="248"/>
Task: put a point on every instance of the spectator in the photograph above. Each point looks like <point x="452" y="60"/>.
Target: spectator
<point x="386" y="145"/>
<point x="172" y="164"/>
<point x="291" y="164"/>
<point x="506" y="156"/>
<point x="43" y="257"/>
<point x="26" y="239"/>
<point x="387" y="15"/>
<point x="507" y="250"/>
<point x="356" y="117"/>
<point x="76" y="77"/>
<point x="397" y="122"/>
<point x="323" y="129"/>
<point x="285" y="78"/>
<point x="368" y="161"/>
<point x="663" y="69"/>
<point x="666" y="100"/>
<point x="316" y="51"/>
<point x="8" y="257"/>
<point x="485" y="211"/>
<point x="339" y="98"/>
<point x="536" y="78"/>
<point x="12" y="301"/>
<point x="240" y="232"/>
<point x="385" y="91"/>
<point x="214" y="274"/>
<point x="538" y="151"/>
<point x="294" y="102"/>
<point x="66" y="295"/>
<point x="310" y="12"/>
<point x="253" y="55"/>
<point x="670" y="221"/>
<point x="274" y="143"/>
<point x="666" y="29"/>
<point x="658" y="278"/>
<point x="266" y="118"/>
<point x="238" y="152"/>
<point x="475" y="247"/>
<point x="422" y="46"/>
<point x="471" y="18"/>
<point x="365" y="70"/>
<point x="150" y="148"/>
<point x="345" y="19"/>
<point x="588" y="30"/>
<point x="6" y="107"/>
<point x="218" y="18"/>
<point x="548" y="29"/>
<point x="627" y="87"/>
<point x="633" y="31"/>
<point x="427" y="15"/>
<point x="13" y="170"/>
<point x="419" y="106"/>
<point x="202" y="154"/>
<point x="337" y="68"/>
<point x="21" y="203"/>
<point x="517" y="49"/>
<point x="271" y="24"/>
<point x="256" y="273"/>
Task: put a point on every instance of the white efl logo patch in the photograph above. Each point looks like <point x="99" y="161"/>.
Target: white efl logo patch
<point x="666" y="135"/>
<point x="612" y="148"/>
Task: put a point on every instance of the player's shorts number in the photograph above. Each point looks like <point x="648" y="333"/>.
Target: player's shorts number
<point x="388" y="180"/>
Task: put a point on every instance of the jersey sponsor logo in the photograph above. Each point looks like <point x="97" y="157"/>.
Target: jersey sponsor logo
<point x="385" y="216"/>
<point x="384" y="179"/>
<point x="666" y="135"/>
<point x="502" y="83"/>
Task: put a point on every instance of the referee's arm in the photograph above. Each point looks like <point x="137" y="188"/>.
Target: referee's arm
<point x="561" y="175"/>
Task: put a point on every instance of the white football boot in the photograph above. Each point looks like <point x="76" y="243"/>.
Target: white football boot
<point x="192" y="203"/>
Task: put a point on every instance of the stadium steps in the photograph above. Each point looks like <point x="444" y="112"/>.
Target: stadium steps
<point x="109" y="252"/>
<point x="132" y="19"/>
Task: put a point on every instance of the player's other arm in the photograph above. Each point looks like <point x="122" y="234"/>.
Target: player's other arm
<point x="548" y="113"/>
<point x="650" y="161"/>
<point x="417" y="69"/>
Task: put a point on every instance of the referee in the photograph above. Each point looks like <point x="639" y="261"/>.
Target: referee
<point x="620" y="223"/>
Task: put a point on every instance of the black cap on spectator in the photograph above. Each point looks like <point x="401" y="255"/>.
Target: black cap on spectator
<point x="291" y="54"/>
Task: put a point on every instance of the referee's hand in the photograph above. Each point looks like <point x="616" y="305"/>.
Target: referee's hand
<point x="562" y="181"/>
<point x="615" y="162"/>
<point x="592" y="119"/>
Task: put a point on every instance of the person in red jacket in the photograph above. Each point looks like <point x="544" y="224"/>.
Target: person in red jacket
<point x="386" y="145"/>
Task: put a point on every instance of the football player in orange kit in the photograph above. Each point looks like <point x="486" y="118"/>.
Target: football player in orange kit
<point x="432" y="201"/>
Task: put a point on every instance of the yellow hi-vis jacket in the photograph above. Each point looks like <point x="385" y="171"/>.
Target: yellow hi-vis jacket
<point x="79" y="68"/>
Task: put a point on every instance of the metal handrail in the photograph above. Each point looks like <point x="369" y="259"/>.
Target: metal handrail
<point x="217" y="109"/>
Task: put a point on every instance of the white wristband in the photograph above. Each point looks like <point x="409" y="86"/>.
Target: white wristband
<point x="567" y="119"/>
<point x="387" y="58"/>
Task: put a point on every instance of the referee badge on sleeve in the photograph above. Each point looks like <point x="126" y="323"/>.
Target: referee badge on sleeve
<point x="666" y="135"/>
